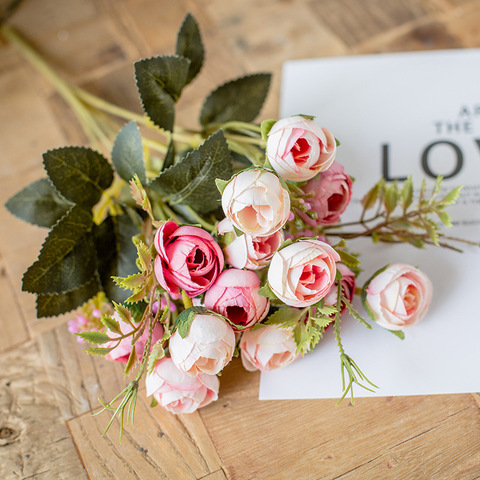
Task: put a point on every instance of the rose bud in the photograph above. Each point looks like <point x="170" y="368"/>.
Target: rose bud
<point x="256" y="202"/>
<point x="267" y="348"/>
<point x="246" y="251"/>
<point x="235" y="296"/>
<point x="398" y="296"/>
<point x="178" y="392"/>
<point x="188" y="259"/>
<point x="331" y="195"/>
<point x="302" y="273"/>
<point x="124" y="348"/>
<point x="348" y="287"/>
<point x="207" y="347"/>
<point x="298" y="149"/>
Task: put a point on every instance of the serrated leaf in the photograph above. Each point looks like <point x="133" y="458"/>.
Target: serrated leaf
<point x="127" y="154"/>
<point x="39" y="203"/>
<point x="391" y="197"/>
<point x="452" y="196"/>
<point x="191" y="181"/>
<point x="95" y="337"/>
<point x="407" y="194"/>
<point x="98" y="351"/>
<point x="266" y="291"/>
<point x="110" y="323"/>
<point x="160" y="81"/>
<point x="116" y="253"/>
<point x="285" y="317"/>
<point x="169" y="158"/>
<point x="132" y="282"/>
<point x="326" y="310"/>
<point x="79" y="174"/>
<point x="156" y="354"/>
<point x="67" y="260"/>
<point x="432" y="231"/>
<point x="265" y="128"/>
<point x="444" y="218"/>
<point x="399" y="333"/>
<point x="123" y="312"/>
<point x="240" y="99"/>
<point x="189" y="45"/>
<point x="53" y="304"/>
<point x="348" y="259"/>
<point x="144" y="260"/>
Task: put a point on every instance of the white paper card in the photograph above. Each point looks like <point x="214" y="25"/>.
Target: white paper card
<point x="403" y="114"/>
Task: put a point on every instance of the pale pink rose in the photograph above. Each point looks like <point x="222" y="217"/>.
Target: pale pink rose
<point x="246" y="251"/>
<point x="332" y="193"/>
<point x="235" y="296"/>
<point x="267" y="348"/>
<point x="207" y="348"/>
<point x="298" y="149"/>
<point x="188" y="259"/>
<point x="399" y="296"/>
<point x="124" y="348"/>
<point x="348" y="287"/>
<point x="302" y="273"/>
<point x="178" y="392"/>
<point x="256" y="202"/>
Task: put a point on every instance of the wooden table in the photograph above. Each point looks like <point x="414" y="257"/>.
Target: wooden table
<point x="49" y="388"/>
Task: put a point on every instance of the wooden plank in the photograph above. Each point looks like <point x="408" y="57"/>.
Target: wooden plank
<point x="312" y="439"/>
<point x="159" y="446"/>
<point x="34" y="440"/>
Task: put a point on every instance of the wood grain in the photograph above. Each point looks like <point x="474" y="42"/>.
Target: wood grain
<point x="49" y="387"/>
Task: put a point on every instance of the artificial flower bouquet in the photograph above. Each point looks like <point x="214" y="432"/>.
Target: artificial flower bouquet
<point x="192" y="247"/>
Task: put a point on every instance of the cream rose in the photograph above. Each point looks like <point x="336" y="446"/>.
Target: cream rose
<point x="298" y="149"/>
<point x="398" y="297"/>
<point x="207" y="347"/>
<point x="256" y="202"/>
<point x="302" y="273"/>
<point x="267" y="348"/>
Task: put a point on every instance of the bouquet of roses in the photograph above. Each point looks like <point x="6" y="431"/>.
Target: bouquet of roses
<point x="192" y="247"/>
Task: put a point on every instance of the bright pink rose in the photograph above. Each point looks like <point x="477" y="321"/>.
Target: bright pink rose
<point x="256" y="202"/>
<point x="398" y="297"/>
<point x="178" y="392"/>
<point x="124" y="348"/>
<point x="302" y="273"/>
<point x="246" y="251"/>
<point x="235" y="296"/>
<point x="348" y="287"/>
<point x="267" y="348"/>
<point x="332" y="193"/>
<point x="298" y="149"/>
<point x="207" y="348"/>
<point x="188" y="259"/>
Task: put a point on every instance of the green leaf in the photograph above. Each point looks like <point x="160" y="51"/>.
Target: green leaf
<point x="192" y="180"/>
<point x="39" y="204"/>
<point x="189" y="45"/>
<point x="399" y="333"/>
<point x="348" y="259"/>
<point x="79" y="174"/>
<point x="266" y="291"/>
<point x="130" y="362"/>
<point x="169" y="159"/>
<point x="98" y="351"/>
<point x="240" y="99"/>
<point x="221" y="184"/>
<point x="110" y="323"/>
<point x="407" y="193"/>
<point x="53" y="304"/>
<point x="67" y="260"/>
<point x="127" y="153"/>
<point x="123" y="312"/>
<point x="444" y="218"/>
<point x="391" y="197"/>
<point x="156" y="354"/>
<point x="265" y="128"/>
<point x="452" y="196"/>
<point x="95" y="337"/>
<point x="363" y="294"/>
<point x="184" y="321"/>
<point x="369" y="199"/>
<point x="285" y="317"/>
<point x="160" y="81"/>
<point x="116" y="253"/>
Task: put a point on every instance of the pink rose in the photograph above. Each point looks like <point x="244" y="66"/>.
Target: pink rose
<point x="302" y="273"/>
<point x="398" y="297"/>
<point x="256" y="202"/>
<point x="298" y="149"/>
<point x="207" y="347"/>
<point x="332" y="193"/>
<point x="267" y="348"/>
<point x="246" y="251"/>
<point x="124" y="348"/>
<point x="348" y="287"/>
<point x="235" y="296"/>
<point x="188" y="259"/>
<point x="178" y="392"/>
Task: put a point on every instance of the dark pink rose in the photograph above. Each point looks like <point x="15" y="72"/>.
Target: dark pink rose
<point x="235" y="296"/>
<point x="348" y="287"/>
<point x="332" y="193"/>
<point x="188" y="259"/>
